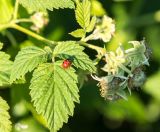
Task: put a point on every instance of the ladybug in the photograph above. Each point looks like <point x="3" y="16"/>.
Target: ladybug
<point x="66" y="63"/>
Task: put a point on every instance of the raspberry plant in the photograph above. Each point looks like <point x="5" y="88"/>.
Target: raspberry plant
<point x="53" y="86"/>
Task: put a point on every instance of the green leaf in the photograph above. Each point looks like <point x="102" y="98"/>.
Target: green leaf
<point x="97" y="8"/>
<point x="53" y="92"/>
<point x="5" y="123"/>
<point x="73" y="51"/>
<point x="41" y="5"/>
<point x="26" y="60"/>
<point x="5" y="69"/>
<point x="92" y="24"/>
<point x="6" y="10"/>
<point x="79" y="33"/>
<point x="82" y="13"/>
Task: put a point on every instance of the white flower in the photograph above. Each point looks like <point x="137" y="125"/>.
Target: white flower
<point x="105" y="29"/>
<point x="39" y="20"/>
<point x="114" y="61"/>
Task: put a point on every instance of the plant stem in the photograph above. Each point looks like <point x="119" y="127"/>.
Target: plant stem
<point x="90" y="37"/>
<point x="13" y="24"/>
<point x="11" y="38"/>
<point x="4" y="26"/>
<point x="16" y="10"/>
<point x="40" y="38"/>
<point x="23" y="20"/>
<point x="100" y="50"/>
<point x="34" y="35"/>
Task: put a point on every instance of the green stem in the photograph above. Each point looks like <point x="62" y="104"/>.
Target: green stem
<point x="11" y="38"/>
<point x="34" y="35"/>
<point x="12" y="24"/>
<point x="4" y="26"/>
<point x="90" y="37"/>
<point x="23" y="20"/>
<point x="16" y="10"/>
<point x="40" y="38"/>
<point x="100" y="50"/>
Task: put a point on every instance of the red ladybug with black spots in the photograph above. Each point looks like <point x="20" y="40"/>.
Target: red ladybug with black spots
<point x="66" y="63"/>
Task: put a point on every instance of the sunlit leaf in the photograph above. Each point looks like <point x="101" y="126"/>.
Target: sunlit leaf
<point x="5" y="68"/>
<point x="26" y="60"/>
<point x="54" y="91"/>
<point x="5" y="123"/>
<point x="41" y="5"/>
<point x="73" y="51"/>
<point x="77" y="33"/>
<point x="6" y="10"/>
<point x="82" y="11"/>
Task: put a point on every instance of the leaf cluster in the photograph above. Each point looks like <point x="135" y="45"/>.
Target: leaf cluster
<point x="53" y="88"/>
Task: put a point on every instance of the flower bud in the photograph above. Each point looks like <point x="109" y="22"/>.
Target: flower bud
<point x="39" y="19"/>
<point x="138" y="78"/>
<point x="104" y="29"/>
<point x="109" y="87"/>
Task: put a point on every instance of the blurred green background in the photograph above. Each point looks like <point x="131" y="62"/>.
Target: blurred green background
<point x="135" y="20"/>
